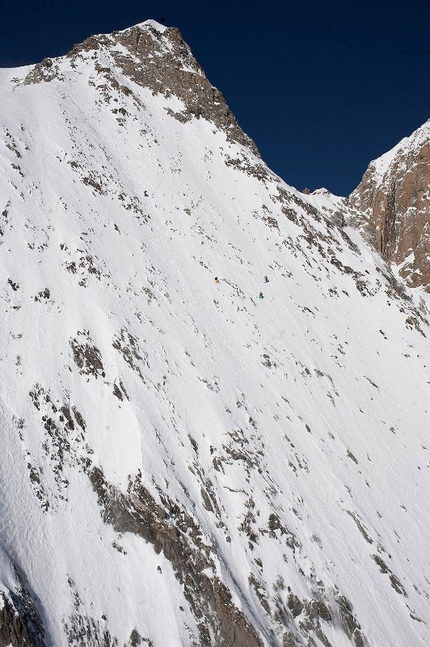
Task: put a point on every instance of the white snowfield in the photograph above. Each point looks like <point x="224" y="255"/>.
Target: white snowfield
<point x="290" y="431"/>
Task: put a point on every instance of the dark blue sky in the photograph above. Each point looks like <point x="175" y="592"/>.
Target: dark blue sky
<point x="322" y="88"/>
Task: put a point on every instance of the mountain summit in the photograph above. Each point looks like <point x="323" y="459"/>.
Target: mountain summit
<point x="152" y="57"/>
<point x="214" y="394"/>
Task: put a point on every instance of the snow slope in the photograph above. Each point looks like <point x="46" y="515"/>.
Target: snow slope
<point x="184" y="463"/>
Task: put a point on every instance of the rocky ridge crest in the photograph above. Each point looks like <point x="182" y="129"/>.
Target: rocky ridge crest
<point x="157" y="58"/>
<point x="392" y="205"/>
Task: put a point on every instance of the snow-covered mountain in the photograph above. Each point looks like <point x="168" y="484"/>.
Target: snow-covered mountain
<point x="183" y="462"/>
<point x="393" y="203"/>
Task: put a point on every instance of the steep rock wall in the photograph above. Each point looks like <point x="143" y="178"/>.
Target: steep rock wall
<point x="394" y="198"/>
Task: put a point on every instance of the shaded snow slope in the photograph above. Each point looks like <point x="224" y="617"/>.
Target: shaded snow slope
<point x="183" y="462"/>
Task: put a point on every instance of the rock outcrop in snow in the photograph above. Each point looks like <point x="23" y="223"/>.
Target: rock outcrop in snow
<point x="184" y="463"/>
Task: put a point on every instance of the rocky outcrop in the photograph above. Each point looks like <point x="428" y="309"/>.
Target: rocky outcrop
<point x="173" y="531"/>
<point x="157" y="58"/>
<point x="20" y="622"/>
<point x="183" y="463"/>
<point x="393" y="200"/>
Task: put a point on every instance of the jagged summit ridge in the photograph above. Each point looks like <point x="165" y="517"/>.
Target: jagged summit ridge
<point x="191" y="462"/>
<point x="407" y="146"/>
<point x="155" y="57"/>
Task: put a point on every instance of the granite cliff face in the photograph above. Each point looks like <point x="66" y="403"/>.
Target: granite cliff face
<point x="393" y="205"/>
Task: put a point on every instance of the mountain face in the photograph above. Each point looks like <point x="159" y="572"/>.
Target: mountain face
<point x="393" y="201"/>
<point x="214" y="394"/>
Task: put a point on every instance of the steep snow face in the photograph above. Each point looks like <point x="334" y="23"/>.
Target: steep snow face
<point x="393" y="202"/>
<point x="184" y="462"/>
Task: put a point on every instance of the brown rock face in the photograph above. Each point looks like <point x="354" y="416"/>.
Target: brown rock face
<point x="394" y="196"/>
